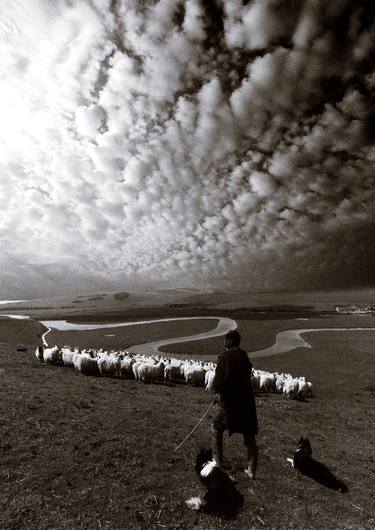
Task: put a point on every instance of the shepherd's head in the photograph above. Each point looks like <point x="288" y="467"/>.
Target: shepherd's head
<point x="232" y="339"/>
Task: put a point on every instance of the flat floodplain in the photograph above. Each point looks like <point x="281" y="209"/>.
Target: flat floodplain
<point x="83" y="452"/>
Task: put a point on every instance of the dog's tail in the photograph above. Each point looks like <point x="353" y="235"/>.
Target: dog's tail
<point x="194" y="503"/>
<point x="340" y="486"/>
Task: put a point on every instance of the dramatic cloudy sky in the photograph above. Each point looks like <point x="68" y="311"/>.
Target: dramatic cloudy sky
<point x="205" y="143"/>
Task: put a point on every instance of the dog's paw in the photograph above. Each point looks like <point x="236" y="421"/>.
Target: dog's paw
<point x="194" y="503"/>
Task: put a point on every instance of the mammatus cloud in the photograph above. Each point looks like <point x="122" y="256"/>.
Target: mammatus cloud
<point x="183" y="142"/>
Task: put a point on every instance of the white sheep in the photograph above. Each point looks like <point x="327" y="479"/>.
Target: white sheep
<point x="194" y="374"/>
<point x="279" y="383"/>
<point x="126" y="367"/>
<point x="173" y="370"/>
<point x="148" y="372"/>
<point x="266" y="382"/>
<point x="135" y="367"/>
<point x="303" y="387"/>
<point x="255" y="379"/>
<point x="67" y="356"/>
<point x="290" y="389"/>
<point x="52" y="356"/>
<point x="209" y="379"/>
<point x="89" y="366"/>
<point x="109" y="365"/>
<point x="280" y="380"/>
<point x="77" y="360"/>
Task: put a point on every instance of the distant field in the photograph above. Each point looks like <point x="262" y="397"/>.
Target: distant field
<point x="195" y="300"/>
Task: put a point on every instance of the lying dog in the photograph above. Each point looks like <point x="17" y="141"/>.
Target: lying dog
<point x="312" y="468"/>
<point x="221" y="498"/>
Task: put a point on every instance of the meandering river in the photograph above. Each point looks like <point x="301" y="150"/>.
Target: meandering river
<point x="224" y="325"/>
<point x="285" y="341"/>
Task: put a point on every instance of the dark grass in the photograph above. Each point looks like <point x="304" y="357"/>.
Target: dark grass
<point x="80" y="452"/>
<point x="121" y="296"/>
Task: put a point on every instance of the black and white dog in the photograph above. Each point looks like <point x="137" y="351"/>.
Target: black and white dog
<point x="221" y="498"/>
<point x="303" y="461"/>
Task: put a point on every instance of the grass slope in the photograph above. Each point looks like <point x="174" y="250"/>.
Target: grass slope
<point x="84" y="453"/>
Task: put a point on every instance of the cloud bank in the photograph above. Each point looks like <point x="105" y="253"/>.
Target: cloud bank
<point x="219" y="143"/>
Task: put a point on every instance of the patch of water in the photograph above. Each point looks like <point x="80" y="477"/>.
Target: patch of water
<point x="291" y="339"/>
<point x="5" y="302"/>
<point x="17" y="317"/>
<point x="64" y="325"/>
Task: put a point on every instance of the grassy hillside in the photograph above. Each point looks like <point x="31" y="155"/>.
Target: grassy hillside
<point x="85" y="453"/>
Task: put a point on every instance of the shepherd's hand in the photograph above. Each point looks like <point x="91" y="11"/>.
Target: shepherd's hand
<point x="217" y="398"/>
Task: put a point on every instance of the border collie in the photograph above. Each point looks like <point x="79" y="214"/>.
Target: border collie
<point x="303" y="461"/>
<point x="221" y="498"/>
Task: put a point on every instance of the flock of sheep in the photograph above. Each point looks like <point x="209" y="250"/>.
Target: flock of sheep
<point x="156" y="368"/>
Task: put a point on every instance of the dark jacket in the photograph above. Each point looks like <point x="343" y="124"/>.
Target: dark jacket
<point x="233" y="382"/>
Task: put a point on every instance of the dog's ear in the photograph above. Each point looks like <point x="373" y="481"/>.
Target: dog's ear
<point x="201" y="453"/>
<point x="201" y="459"/>
<point x="206" y="453"/>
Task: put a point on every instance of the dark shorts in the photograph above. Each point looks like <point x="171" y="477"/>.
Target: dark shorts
<point x="224" y="421"/>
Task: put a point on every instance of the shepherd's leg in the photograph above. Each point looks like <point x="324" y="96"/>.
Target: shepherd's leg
<point x="218" y="448"/>
<point x="218" y="428"/>
<point x="252" y="455"/>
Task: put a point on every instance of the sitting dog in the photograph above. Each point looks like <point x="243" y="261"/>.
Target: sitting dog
<point x="303" y="461"/>
<point x="221" y="498"/>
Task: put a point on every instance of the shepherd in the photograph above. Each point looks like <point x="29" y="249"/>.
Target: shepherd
<point x="235" y="399"/>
